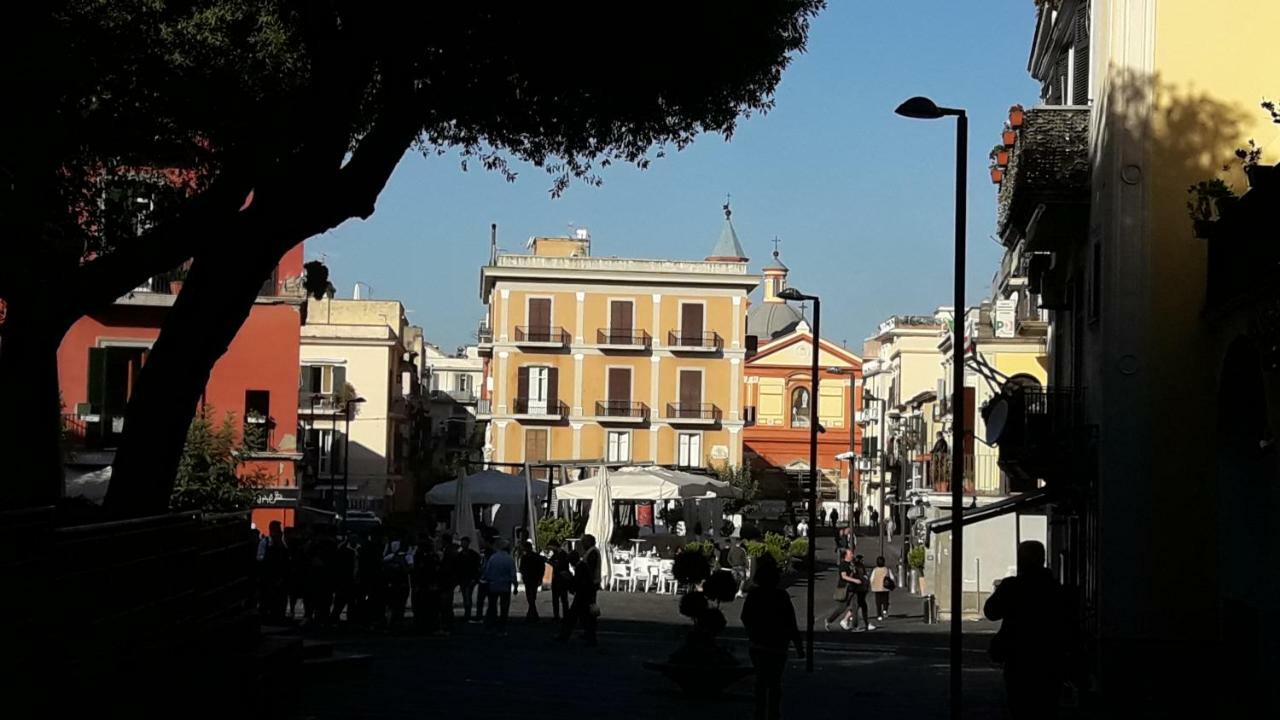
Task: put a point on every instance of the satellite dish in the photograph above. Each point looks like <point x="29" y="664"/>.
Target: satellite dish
<point x="996" y="415"/>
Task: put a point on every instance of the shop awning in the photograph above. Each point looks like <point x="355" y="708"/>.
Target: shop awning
<point x="1017" y="503"/>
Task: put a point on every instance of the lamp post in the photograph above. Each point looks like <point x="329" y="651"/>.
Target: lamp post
<point x="346" y="455"/>
<point x="922" y="108"/>
<point x="794" y="294"/>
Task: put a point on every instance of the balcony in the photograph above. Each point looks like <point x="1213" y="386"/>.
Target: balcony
<point x="319" y="403"/>
<point x="1039" y="436"/>
<point x="700" y="342"/>
<point x="621" y="411"/>
<point x="533" y="410"/>
<point x="1044" y="194"/>
<point x="693" y="413"/>
<point x="461" y="397"/>
<point x="867" y="415"/>
<point x="484" y="339"/>
<point x="484" y="408"/>
<point x="633" y="340"/>
<point x="542" y="337"/>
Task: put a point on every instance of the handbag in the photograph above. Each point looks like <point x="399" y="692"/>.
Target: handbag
<point x="889" y="584"/>
<point x="841" y="594"/>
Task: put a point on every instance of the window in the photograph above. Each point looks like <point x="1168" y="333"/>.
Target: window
<point x="749" y="415"/>
<point x="800" y="407"/>
<point x="257" y="419"/>
<point x="462" y="383"/>
<point x="112" y="374"/>
<point x="618" y="449"/>
<point x="324" y="447"/>
<point x="320" y="380"/>
<point x="689" y="450"/>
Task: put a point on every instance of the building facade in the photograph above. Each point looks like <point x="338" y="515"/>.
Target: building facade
<point x="355" y="395"/>
<point x="616" y="360"/>
<point x="453" y="385"/>
<point x="255" y="380"/>
<point x="1139" y="276"/>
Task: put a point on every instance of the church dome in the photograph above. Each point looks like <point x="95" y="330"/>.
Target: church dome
<point x="769" y="320"/>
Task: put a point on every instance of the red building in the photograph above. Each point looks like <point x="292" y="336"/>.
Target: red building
<point x="778" y="401"/>
<point x="257" y="379"/>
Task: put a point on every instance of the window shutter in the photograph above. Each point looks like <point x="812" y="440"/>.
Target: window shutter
<point x="339" y="379"/>
<point x="553" y="389"/>
<point x="1080" y="76"/>
<point x="97" y="378"/>
<point x="522" y="383"/>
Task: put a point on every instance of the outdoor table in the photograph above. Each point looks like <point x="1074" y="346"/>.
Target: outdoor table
<point x="636" y="543"/>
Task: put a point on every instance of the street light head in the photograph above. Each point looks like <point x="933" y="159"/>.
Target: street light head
<point x="357" y="400"/>
<point x="922" y="108"/>
<point x="790" y="293"/>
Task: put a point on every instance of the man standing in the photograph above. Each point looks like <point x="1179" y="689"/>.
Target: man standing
<point x="770" y="620"/>
<point x="586" y="579"/>
<point x="499" y="577"/>
<point x="1031" y="642"/>
<point x="834" y="517"/>
<point x="273" y="571"/>
<point x="468" y="574"/>
<point x="561" y="580"/>
<point x="532" y="568"/>
<point x="447" y="580"/>
<point x="739" y="562"/>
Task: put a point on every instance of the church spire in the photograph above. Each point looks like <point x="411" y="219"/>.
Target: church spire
<point x="727" y="248"/>
<point x="775" y="275"/>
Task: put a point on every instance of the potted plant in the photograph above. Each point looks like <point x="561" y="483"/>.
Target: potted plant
<point x="176" y="279"/>
<point x="1016" y="116"/>
<point x="701" y="666"/>
<point x="1008" y="137"/>
<point x="915" y="559"/>
<point x="999" y="156"/>
<point x="1207" y="200"/>
<point x="997" y="175"/>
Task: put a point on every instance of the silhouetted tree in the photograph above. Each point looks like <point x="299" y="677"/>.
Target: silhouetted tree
<point x="256" y="124"/>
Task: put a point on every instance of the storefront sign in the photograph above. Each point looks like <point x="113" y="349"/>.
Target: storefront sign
<point x="277" y="497"/>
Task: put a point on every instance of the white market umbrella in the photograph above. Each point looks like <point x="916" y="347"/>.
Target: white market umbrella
<point x="600" y="522"/>
<point x="649" y="483"/>
<point x="464" y="520"/>
<point x="531" y="507"/>
<point x="489" y="487"/>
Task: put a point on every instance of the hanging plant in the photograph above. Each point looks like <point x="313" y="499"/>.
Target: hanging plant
<point x="1206" y="202"/>
<point x="1008" y="137"/>
<point x="997" y="175"/>
<point x="1016" y="116"/>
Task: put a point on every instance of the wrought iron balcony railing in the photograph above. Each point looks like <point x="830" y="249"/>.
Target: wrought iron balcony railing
<point x="633" y="338"/>
<point x="695" y="340"/>
<point x="534" y="334"/>
<point x="621" y="409"/>
<point x="540" y="408"/>
<point x="693" y="411"/>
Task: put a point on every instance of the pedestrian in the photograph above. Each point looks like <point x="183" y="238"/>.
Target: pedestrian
<point x="482" y="588"/>
<point x="298" y="545"/>
<point x="770" y="620"/>
<point x="586" y="585"/>
<point x="426" y="586"/>
<point x="371" y="590"/>
<point x="882" y="583"/>
<point x="499" y="577"/>
<point x="273" y="570"/>
<point x="889" y="522"/>
<point x="343" y="579"/>
<point x="468" y="573"/>
<point x="844" y="541"/>
<point x="835" y="516"/>
<point x="532" y="567"/>
<point x="395" y="571"/>
<point x="739" y="564"/>
<point x="561" y="580"/>
<point x="802" y="528"/>
<point x="845" y="582"/>
<point x="1031" y="642"/>
<point x="860" y="590"/>
<point x="447" y="581"/>
<point x="319" y="576"/>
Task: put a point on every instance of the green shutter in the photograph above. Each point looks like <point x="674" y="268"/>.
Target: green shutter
<point x="339" y="379"/>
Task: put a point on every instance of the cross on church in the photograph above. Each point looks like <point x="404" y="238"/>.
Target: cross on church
<point x="776" y="242"/>
<point x="727" y="211"/>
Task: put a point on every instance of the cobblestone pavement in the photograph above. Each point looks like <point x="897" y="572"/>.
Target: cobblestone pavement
<point x="901" y="667"/>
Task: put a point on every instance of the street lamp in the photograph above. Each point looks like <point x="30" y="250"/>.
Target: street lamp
<point x="922" y="108"/>
<point x="791" y="293"/>
<point x="346" y="455"/>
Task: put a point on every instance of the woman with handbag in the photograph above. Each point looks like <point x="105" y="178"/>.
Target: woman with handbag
<point x="882" y="582"/>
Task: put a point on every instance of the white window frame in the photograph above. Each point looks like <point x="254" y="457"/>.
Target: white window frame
<point x="544" y="371"/>
<point x="686" y="453"/>
<point x="617" y="446"/>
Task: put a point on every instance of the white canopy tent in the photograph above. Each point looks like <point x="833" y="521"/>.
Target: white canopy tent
<point x="648" y="483"/>
<point x="600" y="520"/>
<point x="489" y="487"/>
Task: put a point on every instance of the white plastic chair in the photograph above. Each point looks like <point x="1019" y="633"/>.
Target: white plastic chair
<point x="654" y="577"/>
<point x="621" y="575"/>
<point x="666" y="580"/>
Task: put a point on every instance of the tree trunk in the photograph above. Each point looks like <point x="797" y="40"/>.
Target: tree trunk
<point x="215" y="301"/>
<point x="30" y="422"/>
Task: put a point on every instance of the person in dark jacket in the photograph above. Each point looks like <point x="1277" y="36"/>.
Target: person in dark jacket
<point x="372" y="604"/>
<point x="447" y="581"/>
<point x="532" y="568"/>
<point x="586" y="585"/>
<point x="770" y="620"/>
<point x="860" y="590"/>
<point x="343" y="574"/>
<point x="561" y="580"/>
<point x="468" y="575"/>
<point x="426" y="586"/>
<point x="1031" y="642"/>
<point x="847" y="581"/>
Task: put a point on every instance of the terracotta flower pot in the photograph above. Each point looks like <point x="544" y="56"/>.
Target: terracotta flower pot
<point x="1002" y="158"/>
<point x="1009" y="137"/>
<point x="997" y="175"/>
<point x="1015" y="116"/>
<point x="175" y="286"/>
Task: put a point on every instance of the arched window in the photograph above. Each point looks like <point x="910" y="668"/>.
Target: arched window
<point x="800" y="407"/>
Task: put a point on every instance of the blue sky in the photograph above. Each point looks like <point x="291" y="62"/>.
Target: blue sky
<point x="861" y="198"/>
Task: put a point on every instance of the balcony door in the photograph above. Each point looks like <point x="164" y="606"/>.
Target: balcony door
<point x="690" y="393"/>
<point x="540" y="319"/>
<point x="536" y="392"/>
<point x="691" y="322"/>
<point x="620" y="325"/>
<point x="619" y="391"/>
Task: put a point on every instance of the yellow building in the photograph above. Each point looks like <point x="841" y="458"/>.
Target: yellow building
<point x="614" y="359"/>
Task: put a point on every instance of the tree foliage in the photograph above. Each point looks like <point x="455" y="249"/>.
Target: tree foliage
<point x="739" y="476"/>
<point x="211" y="477"/>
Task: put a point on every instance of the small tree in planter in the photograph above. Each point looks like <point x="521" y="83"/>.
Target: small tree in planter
<point x="700" y="666"/>
<point x="915" y="560"/>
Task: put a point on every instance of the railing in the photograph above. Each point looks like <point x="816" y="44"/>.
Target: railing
<point x="484" y="406"/>
<point x="1039" y="437"/>
<point x="528" y="333"/>
<point x="458" y="396"/>
<point x="526" y="406"/>
<point x="327" y="403"/>
<point x="693" y="411"/>
<point x="621" y="409"/>
<point x="623" y="337"/>
<point x="484" y="334"/>
<point x="700" y="340"/>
